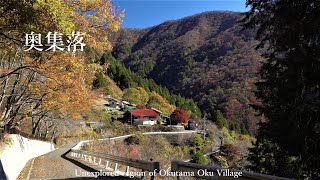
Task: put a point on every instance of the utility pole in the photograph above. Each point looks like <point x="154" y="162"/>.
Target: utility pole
<point x="205" y="125"/>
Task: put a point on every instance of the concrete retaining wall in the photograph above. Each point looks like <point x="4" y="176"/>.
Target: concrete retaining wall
<point x="82" y="143"/>
<point x="19" y="152"/>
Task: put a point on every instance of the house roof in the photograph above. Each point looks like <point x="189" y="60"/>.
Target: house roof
<point x="113" y="99"/>
<point x="144" y="113"/>
<point x="157" y="110"/>
<point x="125" y="102"/>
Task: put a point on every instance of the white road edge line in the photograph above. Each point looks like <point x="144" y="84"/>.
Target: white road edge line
<point x="29" y="173"/>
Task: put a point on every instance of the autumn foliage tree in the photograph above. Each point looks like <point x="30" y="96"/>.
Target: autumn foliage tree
<point x="179" y="116"/>
<point x="158" y="102"/>
<point x="136" y="95"/>
<point x="47" y="85"/>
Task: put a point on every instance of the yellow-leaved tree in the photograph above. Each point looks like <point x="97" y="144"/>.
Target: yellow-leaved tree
<point x="158" y="102"/>
<point x="46" y="85"/>
<point x="136" y="95"/>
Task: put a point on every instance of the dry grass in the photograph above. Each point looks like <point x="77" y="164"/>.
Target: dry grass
<point x="157" y="148"/>
<point x="5" y="142"/>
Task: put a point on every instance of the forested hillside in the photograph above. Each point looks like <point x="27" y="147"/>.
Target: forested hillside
<point x="206" y="57"/>
<point x="127" y="80"/>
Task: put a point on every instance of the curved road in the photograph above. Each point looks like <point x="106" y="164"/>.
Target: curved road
<point x="55" y="165"/>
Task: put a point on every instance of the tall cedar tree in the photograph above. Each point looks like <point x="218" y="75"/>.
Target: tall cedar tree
<point x="289" y="31"/>
<point x="179" y="116"/>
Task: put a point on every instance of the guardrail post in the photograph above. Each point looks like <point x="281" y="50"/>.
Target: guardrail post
<point x="174" y="167"/>
<point x="89" y="159"/>
<point x="152" y="177"/>
<point x="107" y="165"/>
<point x="127" y="171"/>
<point x="115" y="167"/>
<point x="142" y="174"/>
<point x="97" y="158"/>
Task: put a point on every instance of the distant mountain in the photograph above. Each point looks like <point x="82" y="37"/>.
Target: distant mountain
<point x="206" y="57"/>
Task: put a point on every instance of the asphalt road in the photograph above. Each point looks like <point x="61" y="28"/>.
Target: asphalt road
<point x="55" y="165"/>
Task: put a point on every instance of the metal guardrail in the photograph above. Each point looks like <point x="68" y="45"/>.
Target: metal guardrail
<point x="105" y="160"/>
<point x="199" y="171"/>
<point x="212" y="172"/>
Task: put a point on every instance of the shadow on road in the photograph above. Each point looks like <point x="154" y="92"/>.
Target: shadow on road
<point x="84" y="167"/>
<point x="87" y="168"/>
<point x="91" y="178"/>
<point x="2" y="173"/>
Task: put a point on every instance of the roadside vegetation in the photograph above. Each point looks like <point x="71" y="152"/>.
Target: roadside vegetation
<point x="164" y="148"/>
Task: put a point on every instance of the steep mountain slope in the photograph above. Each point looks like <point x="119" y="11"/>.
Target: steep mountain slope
<point x="121" y="83"/>
<point x="205" y="57"/>
<point x="126" y="79"/>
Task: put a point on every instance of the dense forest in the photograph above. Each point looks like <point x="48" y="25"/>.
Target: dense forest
<point x="288" y="143"/>
<point x="206" y="57"/>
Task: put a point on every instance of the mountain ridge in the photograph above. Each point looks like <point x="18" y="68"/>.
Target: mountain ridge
<point x="207" y="57"/>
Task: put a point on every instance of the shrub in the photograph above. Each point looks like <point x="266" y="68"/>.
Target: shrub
<point x="132" y="140"/>
<point x="232" y="154"/>
<point x="247" y="138"/>
<point x="222" y="161"/>
<point x="199" y="158"/>
<point x="141" y="106"/>
<point x="135" y="139"/>
<point x="159" y="149"/>
<point x="199" y="143"/>
<point x="104" y="115"/>
<point x="228" y="135"/>
<point x="230" y="150"/>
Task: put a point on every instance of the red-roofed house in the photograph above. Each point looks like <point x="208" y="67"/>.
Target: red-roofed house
<point x="141" y="116"/>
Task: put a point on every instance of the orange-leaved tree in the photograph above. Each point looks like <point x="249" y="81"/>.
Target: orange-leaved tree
<point x="44" y="84"/>
<point x="179" y="116"/>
